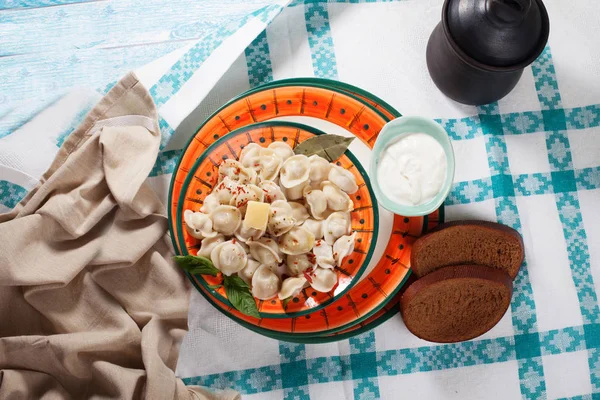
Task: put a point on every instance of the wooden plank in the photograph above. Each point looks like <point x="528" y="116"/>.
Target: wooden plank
<point x="113" y="23"/>
<point x="37" y="75"/>
<point x="20" y="4"/>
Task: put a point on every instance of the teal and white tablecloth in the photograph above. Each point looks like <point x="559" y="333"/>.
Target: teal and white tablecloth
<point x="530" y="161"/>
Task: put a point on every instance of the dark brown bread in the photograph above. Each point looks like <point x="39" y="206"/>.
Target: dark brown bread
<point x="468" y="242"/>
<point x="456" y="303"/>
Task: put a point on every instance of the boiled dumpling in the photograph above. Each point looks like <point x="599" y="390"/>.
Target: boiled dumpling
<point x="248" y="271"/>
<point x="249" y="153"/>
<point x="297" y="264"/>
<point x="319" y="170"/>
<point x="199" y="225"/>
<point x="297" y="241"/>
<point x="272" y="191"/>
<point x="210" y="203"/>
<point x="229" y="257"/>
<point x="343" y="179"/>
<point x="337" y="199"/>
<point x="315" y="227"/>
<point x="295" y="172"/>
<point x="299" y="212"/>
<point x="265" y="251"/>
<point x="246" y="193"/>
<point x="267" y="164"/>
<point x="235" y="171"/>
<point x="323" y="280"/>
<point x="281" y="218"/>
<point x="343" y="247"/>
<point x="244" y="234"/>
<point x="296" y="192"/>
<point x="225" y="190"/>
<point x="282" y="149"/>
<point x="324" y="254"/>
<point x="265" y="284"/>
<point x="335" y="226"/>
<point x="226" y="219"/>
<point x="291" y="286"/>
<point x="207" y="245"/>
<point x="316" y="202"/>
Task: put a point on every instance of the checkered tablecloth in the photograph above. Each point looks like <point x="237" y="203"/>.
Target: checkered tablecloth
<point x="530" y="161"/>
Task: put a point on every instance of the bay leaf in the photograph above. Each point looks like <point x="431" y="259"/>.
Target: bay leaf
<point x="330" y="147"/>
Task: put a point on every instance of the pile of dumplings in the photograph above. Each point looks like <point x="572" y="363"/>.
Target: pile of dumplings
<point x="308" y="232"/>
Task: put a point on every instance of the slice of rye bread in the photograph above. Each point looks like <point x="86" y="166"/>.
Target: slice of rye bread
<point x="468" y="242"/>
<point x="456" y="303"/>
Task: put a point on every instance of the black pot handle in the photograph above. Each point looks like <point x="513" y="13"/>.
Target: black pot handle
<point x="507" y="12"/>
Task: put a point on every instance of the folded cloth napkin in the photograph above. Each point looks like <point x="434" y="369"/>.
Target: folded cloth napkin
<point x="90" y="302"/>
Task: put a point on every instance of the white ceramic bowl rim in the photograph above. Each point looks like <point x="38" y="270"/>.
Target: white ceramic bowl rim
<point x="394" y="130"/>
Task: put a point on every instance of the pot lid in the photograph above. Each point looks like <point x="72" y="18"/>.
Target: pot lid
<point x="499" y="33"/>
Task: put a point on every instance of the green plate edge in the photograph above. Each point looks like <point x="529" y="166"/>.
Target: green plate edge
<point x="267" y="124"/>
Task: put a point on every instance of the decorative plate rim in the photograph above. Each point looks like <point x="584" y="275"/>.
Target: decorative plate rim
<point x="307" y="128"/>
<point x="352" y="92"/>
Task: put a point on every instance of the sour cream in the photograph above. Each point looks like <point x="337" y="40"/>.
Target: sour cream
<point x="412" y="169"/>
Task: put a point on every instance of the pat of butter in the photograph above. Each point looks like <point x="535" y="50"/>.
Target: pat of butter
<point x="257" y="215"/>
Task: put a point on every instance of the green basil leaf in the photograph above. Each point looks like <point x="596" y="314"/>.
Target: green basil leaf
<point x="330" y="147"/>
<point x="285" y="302"/>
<point x="196" y="265"/>
<point x="238" y="293"/>
<point x="214" y="287"/>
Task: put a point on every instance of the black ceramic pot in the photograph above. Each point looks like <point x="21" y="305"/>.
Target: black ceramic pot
<point x="477" y="53"/>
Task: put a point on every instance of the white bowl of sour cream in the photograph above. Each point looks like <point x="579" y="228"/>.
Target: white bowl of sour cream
<point x="412" y="166"/>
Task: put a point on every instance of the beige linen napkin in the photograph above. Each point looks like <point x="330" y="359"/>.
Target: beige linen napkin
<point x="91" y="305"/>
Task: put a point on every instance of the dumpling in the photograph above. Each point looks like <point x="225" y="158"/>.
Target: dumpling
<point x="299" y="212"/>
<point x="295" y="171"/>
<point x="337" y="199"/>
<point x="248" y="271"/>
<point x="343" y="247"/>
<point x="265" y="251"/>
<point x="226" y="219"/>
<point x="343" y="179"/>
<point x="323" y="280"/>
<point x="272" y="191"/>
<point x="282" y="149"/>
<point x="316" y="202"/>
<point x="225" y="190"/>
<point x="297" y="241"/>
<point x="324" y="254"/>
<point x="229" y="257"/>
<point x="291" y="286"/>
<point x="319" y="170"/>
<point x="296" y="192"/>
<point x="335" y="226"/>
<point x="315" y="227"/>
<point x="207" y="245"/>
<point x="246" y="193"/>
<point x="251" y="151"/>
<point x="265" y="284"/>
<point x="244" y="234"/>
<point x="199" y="225"/>
<point x="297" y="264"/>
<point x="281" y="218"/>
<point x="235" y="171"/>
<point x="266" y="164"/>
<point x="210" y="203"/>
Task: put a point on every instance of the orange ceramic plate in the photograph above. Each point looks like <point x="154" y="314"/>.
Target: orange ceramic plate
<point x="312" y="98"/>
<point x="203" y="177"/>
